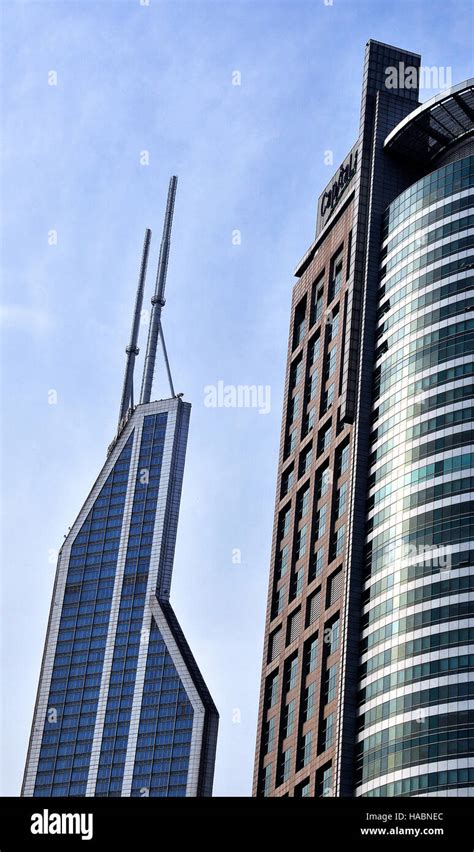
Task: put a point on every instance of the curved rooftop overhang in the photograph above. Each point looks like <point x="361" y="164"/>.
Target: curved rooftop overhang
<point x="434" y="126"/>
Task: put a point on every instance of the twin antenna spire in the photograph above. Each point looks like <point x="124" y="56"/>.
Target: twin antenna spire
<point x="157" y="303"/>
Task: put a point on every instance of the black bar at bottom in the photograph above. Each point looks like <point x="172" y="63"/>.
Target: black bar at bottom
<point x="61" y="823"/>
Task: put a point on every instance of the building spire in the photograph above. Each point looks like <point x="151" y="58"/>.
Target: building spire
<point x="158" y="301"/>
<point x="132" y="349"/>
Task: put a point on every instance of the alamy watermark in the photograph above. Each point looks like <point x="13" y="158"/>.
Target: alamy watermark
<point x="398" y="552"/>
<point x="403" y="76"/>
<point x="49" y="822"/>
<point x="238" y="396"/>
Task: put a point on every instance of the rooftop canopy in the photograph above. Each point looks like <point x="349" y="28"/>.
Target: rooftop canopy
<point x="431" y="128"/>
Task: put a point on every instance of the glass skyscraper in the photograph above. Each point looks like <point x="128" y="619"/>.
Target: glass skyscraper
<point x="368" y="669"/>
<point x="122" y="709"/>
<point x="417" y="678"/>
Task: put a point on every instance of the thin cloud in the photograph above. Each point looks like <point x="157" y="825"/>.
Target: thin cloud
<point x="19" y="317"/>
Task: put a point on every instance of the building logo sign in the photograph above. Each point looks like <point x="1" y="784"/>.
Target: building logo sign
<point x="332" y="196"/>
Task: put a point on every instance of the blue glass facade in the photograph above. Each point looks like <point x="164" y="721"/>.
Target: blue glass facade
<point x="166" y="724"/>
<point x="75" y="684"/>
<point x="122" y="707"/>
<point x="132" y="604"/>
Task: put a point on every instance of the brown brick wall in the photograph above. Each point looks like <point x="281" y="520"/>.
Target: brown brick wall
<point x="337" y="237"/>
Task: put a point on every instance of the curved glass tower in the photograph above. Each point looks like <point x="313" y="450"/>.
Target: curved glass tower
<point x="417" y="686"/>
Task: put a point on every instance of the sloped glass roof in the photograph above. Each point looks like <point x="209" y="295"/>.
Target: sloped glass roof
<point x="435" y="125"/>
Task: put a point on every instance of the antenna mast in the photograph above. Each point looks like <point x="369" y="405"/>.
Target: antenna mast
<point x="158" y="300"/>
<point x="132" y="349"/>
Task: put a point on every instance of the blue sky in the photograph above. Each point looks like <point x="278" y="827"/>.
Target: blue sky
<point x="158" y="78"/>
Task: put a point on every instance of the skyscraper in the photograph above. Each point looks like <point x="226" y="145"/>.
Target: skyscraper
<point x="368" y="670"/>
<point x="121" y="708"/>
